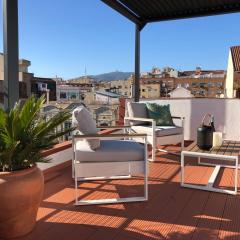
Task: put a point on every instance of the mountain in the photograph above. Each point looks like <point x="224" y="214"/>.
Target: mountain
<point x="112" y="76"/>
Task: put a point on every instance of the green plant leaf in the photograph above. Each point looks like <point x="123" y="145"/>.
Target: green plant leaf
<point x="24" y="134"/>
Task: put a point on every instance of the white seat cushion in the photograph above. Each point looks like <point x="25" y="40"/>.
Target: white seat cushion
<point x="110" y="151"/>
<point x="82" y="119"/>
<point x="160" y="131"/>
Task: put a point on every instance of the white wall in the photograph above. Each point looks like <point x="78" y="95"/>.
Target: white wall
<point x="105" y="99"/>
<point x="230" y="77"/>
<point x="56" y="159"/>
<point x="225" y="111"/>
<point x="181" y="93"/>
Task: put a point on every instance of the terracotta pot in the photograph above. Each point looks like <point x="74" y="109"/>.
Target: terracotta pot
<point x="20" y="195"/>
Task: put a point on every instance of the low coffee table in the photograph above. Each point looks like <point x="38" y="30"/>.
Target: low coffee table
<point x="225" y="156"/>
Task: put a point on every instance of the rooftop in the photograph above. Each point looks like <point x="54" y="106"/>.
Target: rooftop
<point x="235" y="50"/>
<point x="108" y="94"/>
<point x="172" y="212"/>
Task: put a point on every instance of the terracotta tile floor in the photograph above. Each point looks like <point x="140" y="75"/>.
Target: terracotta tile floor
<point x="172" y="212"/>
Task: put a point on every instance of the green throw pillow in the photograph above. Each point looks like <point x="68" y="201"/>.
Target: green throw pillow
<point x="160" y="113"/>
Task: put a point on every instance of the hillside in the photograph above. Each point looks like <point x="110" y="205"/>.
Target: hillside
<point x="112" y="76"/>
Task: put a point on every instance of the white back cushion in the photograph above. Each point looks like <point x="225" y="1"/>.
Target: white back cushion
<point x="137" y="110"/>
<point x="82" y="119"/>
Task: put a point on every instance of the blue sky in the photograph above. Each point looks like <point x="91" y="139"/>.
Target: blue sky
<point x="62" y="37"/>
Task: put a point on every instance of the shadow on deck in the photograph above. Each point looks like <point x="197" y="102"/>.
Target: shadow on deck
<point x="172" y="212"/>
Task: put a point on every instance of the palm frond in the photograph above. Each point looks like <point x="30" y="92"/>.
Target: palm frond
<point x="24" y="134"/>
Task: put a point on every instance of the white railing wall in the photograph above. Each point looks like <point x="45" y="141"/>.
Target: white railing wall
<point x="225" y="111"/>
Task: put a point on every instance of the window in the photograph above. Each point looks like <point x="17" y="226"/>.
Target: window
<point x="63" y="95"/>
<point x="202" y="84"/>
<point x="73" y="96"/>
<point x="219" y="84"/>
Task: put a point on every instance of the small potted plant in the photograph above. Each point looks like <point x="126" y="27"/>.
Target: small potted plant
<point x="24" y="134"/>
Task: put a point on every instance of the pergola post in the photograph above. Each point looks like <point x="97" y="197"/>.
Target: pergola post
<point x="10" y="42"/>
<point x="136" y="85"/>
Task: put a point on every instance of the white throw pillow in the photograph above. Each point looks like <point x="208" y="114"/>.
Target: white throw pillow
<point x="82" y="119"/>
<point x="137" y="110"/>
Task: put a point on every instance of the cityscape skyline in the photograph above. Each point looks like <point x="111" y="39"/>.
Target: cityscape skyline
<point x="101" y="40"/>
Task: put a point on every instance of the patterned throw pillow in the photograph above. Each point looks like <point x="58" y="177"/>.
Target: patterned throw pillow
<point x="160" y="113"/>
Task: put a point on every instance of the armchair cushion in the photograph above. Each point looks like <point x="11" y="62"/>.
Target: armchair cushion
<point x="137" y="110"/>
<point x="111" y="151"/>
<point x="160" y="131"/>
<point x="160" y="113"/>
<point x="82" y="119"/>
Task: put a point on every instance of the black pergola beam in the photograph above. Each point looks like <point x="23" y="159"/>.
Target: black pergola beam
<point x="10" y="42"/>
<point x="192" y="14"/>
<point x="123" y="10"/>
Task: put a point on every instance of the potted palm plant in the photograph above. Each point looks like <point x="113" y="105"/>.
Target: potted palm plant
<point x="24" y="134"/>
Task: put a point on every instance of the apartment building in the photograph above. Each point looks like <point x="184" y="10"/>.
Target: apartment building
<point x="28" y="83"/>
<point x="44" y="86"/>
<point x="24" y="78"/>
<point x="232" y="87"/>
<point x="123" y="87"/>
<point x="69" y="93"/>
<point x="202" y="87"/>
<point x="150" y="88"/>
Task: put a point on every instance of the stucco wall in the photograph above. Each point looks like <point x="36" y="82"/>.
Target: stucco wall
<point x="230" y="77"/>
<point x="225" y="111"/>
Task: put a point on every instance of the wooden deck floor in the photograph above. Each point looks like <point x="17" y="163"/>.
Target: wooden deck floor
<point x="172" y="212"/>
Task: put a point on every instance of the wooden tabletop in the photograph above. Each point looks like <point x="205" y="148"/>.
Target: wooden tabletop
<point x="230" y="148"/>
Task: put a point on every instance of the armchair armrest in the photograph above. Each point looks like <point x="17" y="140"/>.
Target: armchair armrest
<point x="175" y="117"/>
<point x="113" y="127"/>
<point x="109" y="136"/>
<point x="182" y="120"/>
<point x="140" y="119"/>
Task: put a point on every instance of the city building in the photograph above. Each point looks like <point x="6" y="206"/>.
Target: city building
<point x="150" y="88"/>
<point x="41" y="86"/>
<point x="181" y="92"/>
<point x="69" y="93"/>
<point x="123" y="87"/>
<point x="106" y="97"/>
<point x="28" y="83"/>
<point x="202" y="87"/>
<point x="24" y="78"/>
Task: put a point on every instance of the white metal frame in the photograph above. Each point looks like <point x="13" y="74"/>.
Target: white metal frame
<point x="162" y="140"/>
<point x="209" y="186"/>
<point x="87" y="171"/>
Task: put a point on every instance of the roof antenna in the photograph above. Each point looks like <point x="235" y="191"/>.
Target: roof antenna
<point x="85" y="71"/>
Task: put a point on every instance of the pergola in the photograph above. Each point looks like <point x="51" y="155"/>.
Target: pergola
<point x="140" y="12"/>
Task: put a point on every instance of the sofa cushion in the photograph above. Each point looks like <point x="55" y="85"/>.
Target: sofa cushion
<point x="82" y="119"/>
<point x="111" y="151"/>
<point x="160" y="131"/>
<point x="160" y="113"/>
<point x="137" y="110"/>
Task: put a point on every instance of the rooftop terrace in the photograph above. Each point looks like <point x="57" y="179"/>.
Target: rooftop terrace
<point x="172" y="212"/>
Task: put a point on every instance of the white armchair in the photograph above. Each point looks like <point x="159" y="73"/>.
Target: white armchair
<point x="111" y="158"/>
<point x="157" y="135"/>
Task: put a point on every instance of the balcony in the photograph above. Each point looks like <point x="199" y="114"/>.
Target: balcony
<point x="171" y="212"/>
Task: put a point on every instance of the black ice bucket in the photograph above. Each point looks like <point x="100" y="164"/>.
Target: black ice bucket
<point x="205" y="133"/>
